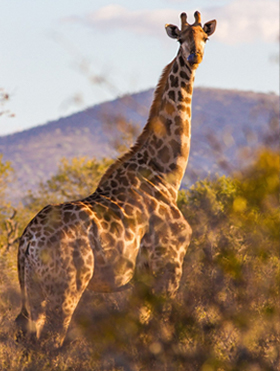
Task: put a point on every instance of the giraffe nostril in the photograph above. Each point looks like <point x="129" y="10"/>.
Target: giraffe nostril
<point x="192" y="58"/>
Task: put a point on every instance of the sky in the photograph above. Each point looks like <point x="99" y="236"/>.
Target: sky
<point x="60" y="57"/>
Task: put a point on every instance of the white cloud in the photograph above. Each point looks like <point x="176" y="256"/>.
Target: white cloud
<point x="239" y="21"/>
<point x="247" y="20"/>
<point x="141" y="22"/>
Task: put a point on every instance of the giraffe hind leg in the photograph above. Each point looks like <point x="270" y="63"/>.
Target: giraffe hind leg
<point x="58" y="314"/>
<point x="30" y="321"/>
<point x="22" y="322"/>
<point x="37" y="304"/>
<point x="48" y="321"/>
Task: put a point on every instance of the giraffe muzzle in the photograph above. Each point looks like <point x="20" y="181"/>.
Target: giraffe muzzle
<point x="194" y="58"/>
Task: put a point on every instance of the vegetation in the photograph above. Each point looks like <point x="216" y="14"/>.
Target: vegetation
<point x="226" y="315"/>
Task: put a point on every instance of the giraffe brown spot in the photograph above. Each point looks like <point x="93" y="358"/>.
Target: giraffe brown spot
<point x="182" y="62"/>
<point x="132" y="167"/>
<point x="188" y="68"/>
<point x="120" y="246"/>
<point x="107" y="238"/>
<point x="160" y="251"/>
<point x="76" y="253"/>
<point x="79" y="284"/>
<point x="176" y="147"/>
<point x="128" y="209"/>
<point x="179" y="131"/>
<point x="83" y="216"/>
<point x="67" y="207"/>
<point x="178" y="121"/>
<point x="155" y="221"/>
<point x="182" y="107"/>
<point x="133" y="179"/>
<point x="115" y="228"/>
<point x="155" y="165"/>
<point x="107" y="216"/>
<point x="145" y="187"/>
<point x="164" y="154"/>
<point x="174" y="80"/>
<point x="187" y="87"/>
<point x="168" y="124"/>
<point x="78" y="262"/>
<point x="53" y="239"/>
<point x="152" y="152"/>
<point x="139" y="216"/>
<point x="183" y="75"/>
<point x="104" y="224"/>
<point x="49" y="230"/>
<point x="122" y="198"/>
<point x="142" y="161"/>
<point x="183" y="129"/>
<point x="175" y="213"/>
<point x="100" y="260"/>
<point x="175" y="67"/>
<point x="180" y="96"/>
<point x="171" y="95"/>
<point x="67" y="217"/>
<point x="34" y="229"/>
<point x="169" y="108"/>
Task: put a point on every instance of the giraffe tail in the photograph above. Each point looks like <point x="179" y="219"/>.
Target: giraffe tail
<point x="22" y="319"/>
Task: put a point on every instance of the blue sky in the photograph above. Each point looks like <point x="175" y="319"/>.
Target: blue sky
<point x="59" y="57"/>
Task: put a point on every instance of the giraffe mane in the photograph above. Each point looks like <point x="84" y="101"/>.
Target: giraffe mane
<point x="142" y="138"/>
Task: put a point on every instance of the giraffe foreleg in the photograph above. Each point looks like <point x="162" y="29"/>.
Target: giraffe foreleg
<point x="168" y="245"/>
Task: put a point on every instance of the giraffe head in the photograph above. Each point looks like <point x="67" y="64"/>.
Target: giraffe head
<point x="192" y="38"/>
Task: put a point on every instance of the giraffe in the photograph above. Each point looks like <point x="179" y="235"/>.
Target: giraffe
<point x="130" y="223"/>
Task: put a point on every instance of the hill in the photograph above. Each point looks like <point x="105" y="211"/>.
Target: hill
<point x="223" y="122"/>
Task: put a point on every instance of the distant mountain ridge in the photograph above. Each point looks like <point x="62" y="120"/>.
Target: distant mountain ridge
<point x="222" y="122"/>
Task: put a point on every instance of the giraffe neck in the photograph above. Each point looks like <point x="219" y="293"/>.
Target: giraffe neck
<point x="170" y="121"/>
<point x="165" y="140"/>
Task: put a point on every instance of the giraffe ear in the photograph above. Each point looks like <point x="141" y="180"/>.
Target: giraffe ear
<point x="209" y="27"/>
<point x="172" y="31"/>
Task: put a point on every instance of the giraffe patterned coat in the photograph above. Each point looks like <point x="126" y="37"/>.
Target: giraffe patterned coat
<point x="131" y="222"/>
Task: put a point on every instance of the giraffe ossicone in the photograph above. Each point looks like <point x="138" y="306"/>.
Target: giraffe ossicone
<point x="131" y="221"/>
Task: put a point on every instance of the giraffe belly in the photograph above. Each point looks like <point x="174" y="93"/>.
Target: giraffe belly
<point x="113" y="276"/>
